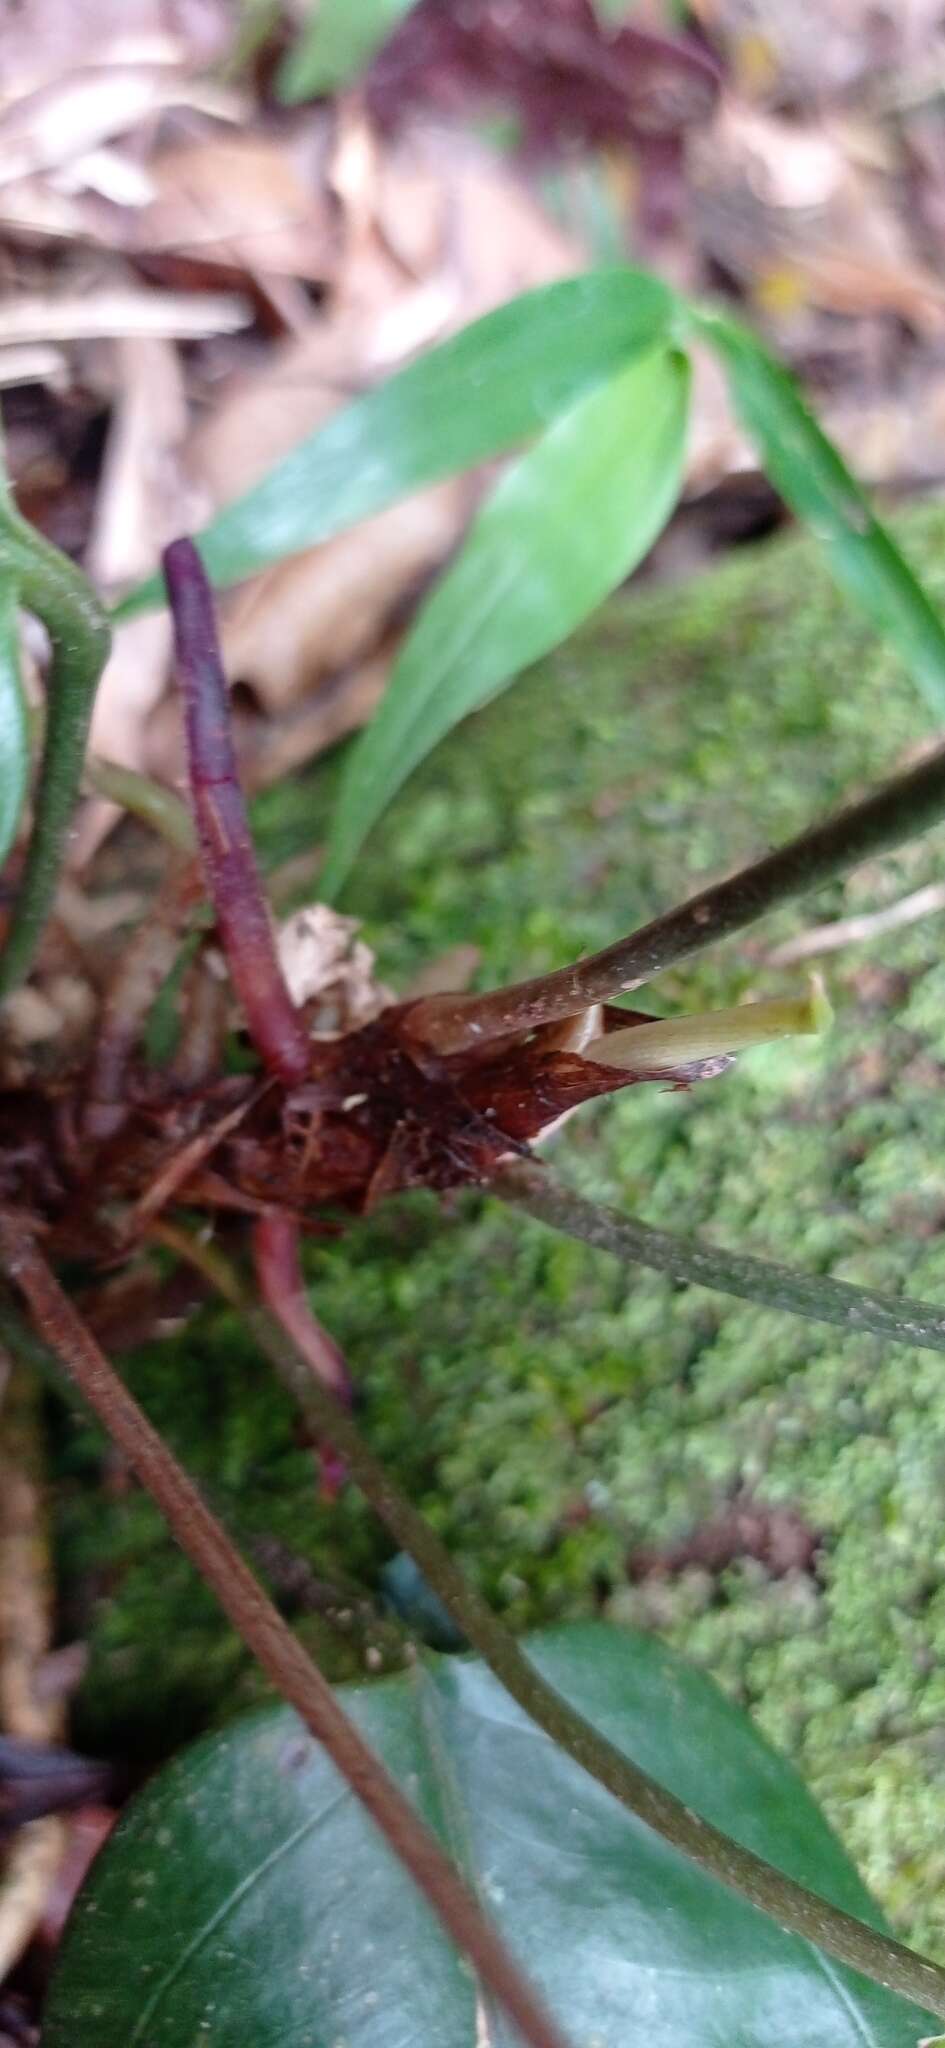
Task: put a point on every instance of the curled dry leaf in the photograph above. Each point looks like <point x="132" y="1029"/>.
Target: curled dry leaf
<point x="269" y="748"/>
<point x="330" y="970"/>
<point x="241" y="203"/>
<point x="843" y="281"/>
<point x="290" y="630"/>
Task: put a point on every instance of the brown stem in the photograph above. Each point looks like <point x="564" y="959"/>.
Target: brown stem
<point x="897" y="810"/>
<point x="276" y="1257"/>
<point x="263" y="1630"/>
<point x="276" y="1239"/>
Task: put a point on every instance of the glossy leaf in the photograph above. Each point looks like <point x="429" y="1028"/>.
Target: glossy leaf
<point x="14" y="731"/>
<point x="814" y="480"/>
<point x="496" y="383"/>
<point x="244" y="1897"/>
<point x="335" y="44"/>
<point x="563" y="527"/>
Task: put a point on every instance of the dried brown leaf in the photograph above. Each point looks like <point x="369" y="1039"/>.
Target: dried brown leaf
<point x="144" y="499"/>
<point x="139" y="503"/>
<point x="34" y="363"/>
<point x="243" y="202"/>
<point x="321" y="611"/>
<point x="271" y="746"/>
<point x="78" y="110"/>
<point x="318" y="616"/>
<point x="330" y="970"/>
<point x="44" y="39"/>
<point x="807" y="216"/>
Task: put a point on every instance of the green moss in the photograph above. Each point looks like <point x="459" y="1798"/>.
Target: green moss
<point x="547" y="1411"/>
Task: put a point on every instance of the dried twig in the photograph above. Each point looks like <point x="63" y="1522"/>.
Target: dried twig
<point x="852" y="931"/>
<point x="95" y="315"/>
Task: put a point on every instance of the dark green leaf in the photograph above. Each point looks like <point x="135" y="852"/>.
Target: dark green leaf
<point x="814" y="480"/>
<point x="244" y="1897"/>
<point x="14" y="732"/>
<point x="335" y="44"/>
<point x="566" y="525"/>
<point x="493" y="385"/>
<point x="406" y="1590"/>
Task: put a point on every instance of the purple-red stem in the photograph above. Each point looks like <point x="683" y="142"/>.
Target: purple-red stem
<point x="226" y="847"/>
<point x="278" y="1267"/>
<point x="276" y="1238"/>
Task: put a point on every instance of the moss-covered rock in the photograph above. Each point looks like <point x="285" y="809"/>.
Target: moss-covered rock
<point x="551" y="1413"/>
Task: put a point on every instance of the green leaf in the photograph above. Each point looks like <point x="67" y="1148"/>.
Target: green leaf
<point x="14" y="730"/>
<point x="563" y="527"/>
<point x="814" y="480"/>
<point x="245" y="1898"/>
<point x="494" y="384"/>
<point x="335" y="45"/>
